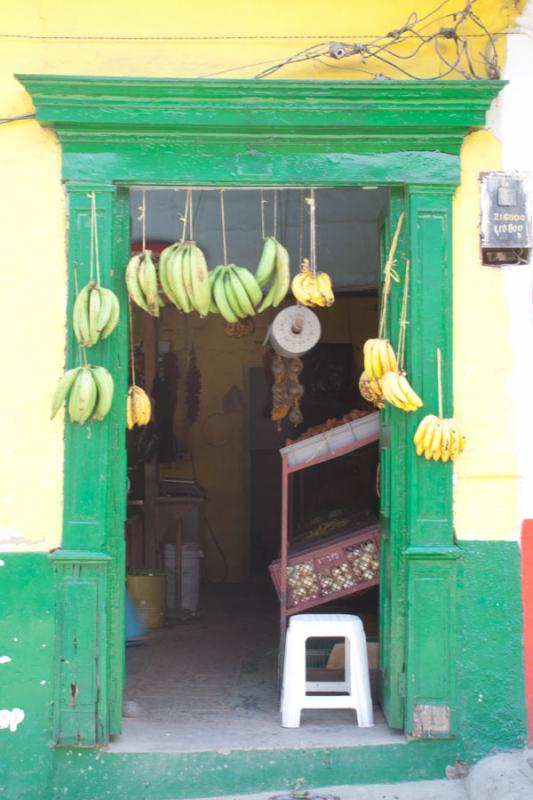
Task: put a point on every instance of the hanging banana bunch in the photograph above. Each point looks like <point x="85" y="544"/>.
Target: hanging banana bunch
<point x="96" y="310"/>
<point x="381" y="366"/>
<point x="370" y="389"/>
<point x="138" y="405"/>
<point x="439" y="438"/>
<point x="311" y="288"/>
<point x="274" y="264"/>
<point x="394" y="384"/>
<point x="141" y="274"/>
<point x="90" y="392"/>
<point x="236" y="293"/>
<point x="378" y="354"/>
<point x="183" y="270"/>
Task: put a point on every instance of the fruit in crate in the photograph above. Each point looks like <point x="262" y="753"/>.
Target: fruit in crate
<point x="184" y="277"/>
<point x="138" y="407"/>
<point x="439" y="439"/>
<point x="329" y="424"/>
<point x="397" y="391"/>
<point x="95" y="314"/>
<point x="141" y="280"/>
<point x="379" y="358"/>
<point x="312" y="288"/>
<point x="90" y="393"/>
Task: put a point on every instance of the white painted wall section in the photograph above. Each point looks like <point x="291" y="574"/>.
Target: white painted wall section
<point x="511" y="119"/>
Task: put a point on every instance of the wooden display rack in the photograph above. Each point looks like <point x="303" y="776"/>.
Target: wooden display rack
<point x="329" y="445"/>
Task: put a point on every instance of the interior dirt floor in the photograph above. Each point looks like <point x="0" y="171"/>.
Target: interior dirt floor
<point x="209" y="682"/>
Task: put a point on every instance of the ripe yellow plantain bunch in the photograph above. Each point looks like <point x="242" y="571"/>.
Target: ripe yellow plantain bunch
<point x="371" y="390"/>
<point x="439" y="439"/>
<point x="138" y="407"/>
<point x="397" y="391"/>
<point x="379" y="358"/>
<point x="312" y="288"/>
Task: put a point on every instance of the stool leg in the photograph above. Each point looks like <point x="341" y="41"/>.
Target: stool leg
<point x="293" y="694"/>
<point x="359" y="679"/>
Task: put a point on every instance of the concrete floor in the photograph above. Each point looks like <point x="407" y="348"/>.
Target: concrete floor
<point x="210" y="683"/>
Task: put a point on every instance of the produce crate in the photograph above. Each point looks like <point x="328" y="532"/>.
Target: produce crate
<point x="333" y="568"/>
<point x="329" y="442"/>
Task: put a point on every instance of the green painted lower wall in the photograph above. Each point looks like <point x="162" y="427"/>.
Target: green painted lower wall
<point x="27" y="638"/>
<point x="490" y="657"/>
<point x="490" y="704"/>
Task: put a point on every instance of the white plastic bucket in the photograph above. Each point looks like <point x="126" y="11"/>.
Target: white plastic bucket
<point x="191" y="556"/>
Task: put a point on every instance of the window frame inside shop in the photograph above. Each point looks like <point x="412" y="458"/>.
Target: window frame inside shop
<point x="404" y="135"/>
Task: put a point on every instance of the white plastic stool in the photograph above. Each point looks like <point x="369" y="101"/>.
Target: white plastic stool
<point x="356" y="684"/>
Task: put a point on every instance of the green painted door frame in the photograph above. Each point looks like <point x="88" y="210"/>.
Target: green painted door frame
<point x="119" y="132"/>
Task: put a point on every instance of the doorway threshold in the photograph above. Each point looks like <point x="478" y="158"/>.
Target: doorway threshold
<point x="223" y="733"/>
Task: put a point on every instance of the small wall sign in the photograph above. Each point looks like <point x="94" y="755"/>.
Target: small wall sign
<point x="505" y="230"/>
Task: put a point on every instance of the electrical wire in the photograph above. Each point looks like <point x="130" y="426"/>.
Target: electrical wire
<point x="5" y="120"/>
<point x="250" y="38"/>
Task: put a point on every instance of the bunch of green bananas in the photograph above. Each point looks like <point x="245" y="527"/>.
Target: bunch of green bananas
<point x="138" y="407"/>
<point x="439" y="439"/>
<point x="312" y="288"/>
<point x="141" y="280"/>
<point x="397" y="391"/>
<point x="91" y="393"/>
<point x="273" y="264"/>
<point x="235" y="292"/>
<point x="95" y="314"/>
<point x="184" y="277"/>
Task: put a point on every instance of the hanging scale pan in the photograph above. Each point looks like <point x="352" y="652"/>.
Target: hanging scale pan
<point x="294" y="331"/>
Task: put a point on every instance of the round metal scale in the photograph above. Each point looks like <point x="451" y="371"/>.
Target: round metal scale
<point x="294" y="331"/>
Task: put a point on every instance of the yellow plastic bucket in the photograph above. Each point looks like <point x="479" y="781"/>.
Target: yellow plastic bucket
<point x="148" y="590"/>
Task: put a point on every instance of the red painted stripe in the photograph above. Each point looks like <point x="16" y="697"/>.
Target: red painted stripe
<point x="527" y="599"/>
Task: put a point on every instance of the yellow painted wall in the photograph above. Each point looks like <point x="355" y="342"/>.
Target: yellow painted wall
<point x="486" y="475"/>
<point x="36" y="37"/>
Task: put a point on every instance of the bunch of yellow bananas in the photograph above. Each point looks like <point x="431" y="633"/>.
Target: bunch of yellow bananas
<point x="379" y="358"/>
<point x="312" y="288"/>
<point x="95" y="314"/>
<point x="138" y="407"/>
<point x="91" y="393"/>
<point x="184" y="277"/>
<point x="439" y="439"/>
<point x="236" y="293"/>
<point x="371" y="390"/>
<point x="398" y="391"/>
<point x="141" y="280"/>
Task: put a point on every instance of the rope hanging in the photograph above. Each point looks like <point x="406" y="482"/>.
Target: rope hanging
<point x="439" y="379"/>
<point x="142" y="219"/>
<point x="223" y="218"/>
<point x="312" y="232"/>
<point x="403" y="318"/>
<point x="389" y="273"/>
<point x="301" y="240"/>
<point x="262" y="202"/>
<point x="130" y="327"/>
